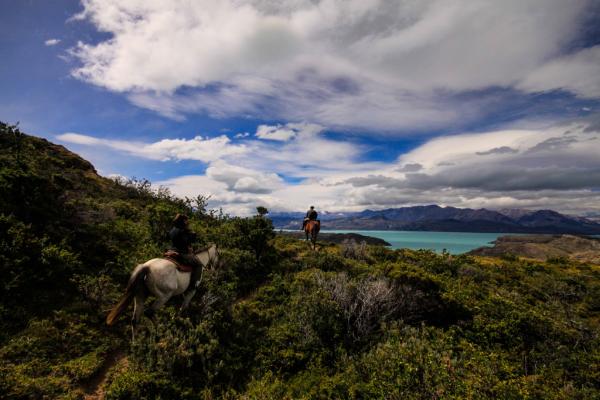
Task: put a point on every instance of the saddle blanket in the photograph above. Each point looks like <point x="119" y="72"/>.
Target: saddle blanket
<point x="175" y="258"/>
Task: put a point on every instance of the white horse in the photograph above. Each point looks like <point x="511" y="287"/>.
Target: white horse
<point x="161" y="278"/>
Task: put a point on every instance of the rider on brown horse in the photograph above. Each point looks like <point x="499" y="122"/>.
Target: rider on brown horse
<point x="182" y="238"/>
<point x="311" y="215"/>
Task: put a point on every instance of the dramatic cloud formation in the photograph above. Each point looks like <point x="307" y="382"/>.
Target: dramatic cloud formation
<point x="376" y="65"/>
<point x="559" y="157"/>
<point x="321" y="78"/>
<point x="555" y="167"/>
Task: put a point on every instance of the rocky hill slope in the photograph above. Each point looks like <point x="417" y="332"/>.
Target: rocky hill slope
<point x="543" y="247"/>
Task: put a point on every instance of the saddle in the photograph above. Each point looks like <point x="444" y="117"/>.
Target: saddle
<point x="316" y="221"/>
<point x="176" y="259"/>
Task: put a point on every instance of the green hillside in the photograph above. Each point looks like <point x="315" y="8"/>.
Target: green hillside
<point x="279" y="321"/>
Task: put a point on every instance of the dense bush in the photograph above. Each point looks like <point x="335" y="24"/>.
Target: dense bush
<point x="52" y="357"/>
<point x="134" y="385"/>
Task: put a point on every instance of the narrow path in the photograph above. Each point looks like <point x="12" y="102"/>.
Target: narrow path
<point x="95" y="389"/>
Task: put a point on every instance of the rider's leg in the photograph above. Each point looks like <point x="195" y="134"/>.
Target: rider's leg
<point x="195" y="279"/>
<point x="196" y="272"/>
<point x="304" y="222"/>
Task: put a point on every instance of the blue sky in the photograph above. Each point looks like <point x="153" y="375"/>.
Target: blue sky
<point x="345" y="104"/>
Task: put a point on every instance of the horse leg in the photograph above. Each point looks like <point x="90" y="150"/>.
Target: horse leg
<point x="186" y="301"/>
<point x="159" y="302"/>
<point x="138" y="311"/>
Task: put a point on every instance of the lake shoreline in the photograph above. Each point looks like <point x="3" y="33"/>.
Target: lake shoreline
<point x="337" y="238"/>
<point x="437" y="241"/>
<point x="452" y="242"/>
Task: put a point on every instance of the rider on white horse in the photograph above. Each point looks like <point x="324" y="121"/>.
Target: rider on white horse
<point x="182" y="239"/>
<point x="160" y="278"/>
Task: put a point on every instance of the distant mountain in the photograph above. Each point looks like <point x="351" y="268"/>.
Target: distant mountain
<point x="514" y="213"/>
<point x="448" y="219"/>
<point x="293" y="220"/>
<point x="592" y="216"/>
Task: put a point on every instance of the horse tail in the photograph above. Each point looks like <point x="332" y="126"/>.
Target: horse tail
<point x="137" y="278"/>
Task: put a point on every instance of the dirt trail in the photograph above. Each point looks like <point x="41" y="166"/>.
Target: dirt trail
<point x="95" y="389"/>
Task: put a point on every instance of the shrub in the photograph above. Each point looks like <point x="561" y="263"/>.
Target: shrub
<point x="174" y="346"/>
<point x="134" y="385"/>
<point x="326" y="261"/>
<point x="351" y="249"/>
<point x="99" y="291"/>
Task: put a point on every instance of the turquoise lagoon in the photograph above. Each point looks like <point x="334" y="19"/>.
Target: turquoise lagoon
<point x="453" y="242"/>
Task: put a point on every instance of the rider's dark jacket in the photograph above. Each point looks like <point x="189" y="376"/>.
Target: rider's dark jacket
<point x="311" y="214"/>
<point x="182" y="239"/>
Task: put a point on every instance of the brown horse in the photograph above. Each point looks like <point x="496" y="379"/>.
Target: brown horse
<point x="312" y="228"/>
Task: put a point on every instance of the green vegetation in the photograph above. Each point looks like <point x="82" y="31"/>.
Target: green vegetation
<point x="279" y="320"/>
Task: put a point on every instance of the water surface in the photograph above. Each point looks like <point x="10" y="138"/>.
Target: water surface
<point x="453" y="242"/>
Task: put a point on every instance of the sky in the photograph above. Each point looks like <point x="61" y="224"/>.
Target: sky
<point x="342" y="104"/>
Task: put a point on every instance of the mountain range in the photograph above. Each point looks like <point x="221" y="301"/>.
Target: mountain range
<point x="447" y="219"/>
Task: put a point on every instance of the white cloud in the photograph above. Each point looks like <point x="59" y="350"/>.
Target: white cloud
<point x="116" y="177"/>
<point x="285" y="197"/>
<point x="284" y="133"/>
<point x="307" y="153"/>
<point x="275" y="133"/>
<point x="198" y="148"/>
<point x="52" y="42"/>
<point x="376" y="65"/>
<point x="240" y="179"/>
<point x="561" y="145"/>
<point x="440" y="152"/>
<point x="578" y="73"/>
<point x="77" y="138"/>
